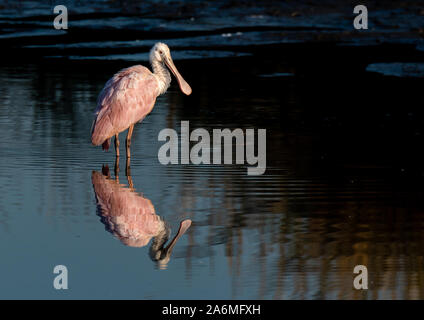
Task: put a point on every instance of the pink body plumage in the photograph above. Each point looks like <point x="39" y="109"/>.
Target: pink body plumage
<point x="126" y="99"/>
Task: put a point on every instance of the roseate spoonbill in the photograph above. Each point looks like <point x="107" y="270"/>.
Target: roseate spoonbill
<point x="132" y="218"/>
<point x="130" y="95"/>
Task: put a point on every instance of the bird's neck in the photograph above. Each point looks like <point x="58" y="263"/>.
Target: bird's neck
<point x="162" y="75"/>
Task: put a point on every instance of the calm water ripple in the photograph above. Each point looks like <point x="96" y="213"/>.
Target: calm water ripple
<point x="332" y="196"/>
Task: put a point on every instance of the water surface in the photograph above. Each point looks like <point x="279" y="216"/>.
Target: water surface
<point x="343" y="185"/>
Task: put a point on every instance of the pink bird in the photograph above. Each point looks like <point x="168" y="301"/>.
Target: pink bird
<point x="132" y="218"/>
<point x="130" y="95"/>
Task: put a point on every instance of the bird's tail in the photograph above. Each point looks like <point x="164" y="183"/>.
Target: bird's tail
<point x="106" y="144"/>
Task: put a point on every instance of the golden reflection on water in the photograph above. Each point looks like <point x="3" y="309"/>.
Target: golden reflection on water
<point x="305" y="242"/>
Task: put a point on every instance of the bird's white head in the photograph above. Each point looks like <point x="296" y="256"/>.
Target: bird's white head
<point x="160" y="53"/>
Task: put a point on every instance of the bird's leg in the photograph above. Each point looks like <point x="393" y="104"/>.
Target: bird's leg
<point x="128" y="168"/>
<point x="117" y="155"/>
<point x="117" y="145"/>
<point x="130" y="182"/>
<point x="128" y="141"/>
<point x="116" y="168"/>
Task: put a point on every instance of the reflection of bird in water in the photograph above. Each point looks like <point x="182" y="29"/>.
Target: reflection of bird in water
<point x="132" y="218"/>
<point x="130" y="95"/>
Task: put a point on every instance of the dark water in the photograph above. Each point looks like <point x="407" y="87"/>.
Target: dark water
<point x="343" y="186"/>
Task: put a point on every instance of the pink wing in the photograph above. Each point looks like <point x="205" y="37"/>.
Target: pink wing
<point x="126" y="99"/>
